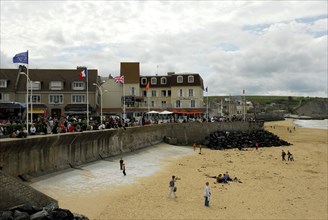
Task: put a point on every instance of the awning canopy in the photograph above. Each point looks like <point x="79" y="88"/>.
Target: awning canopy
<point x="36" y="111"/>
<point x="77" y="109"/>
<point x="153" y="112"/>
<point x="186" y="112"/>
<point x="12" y="105"/>
<point x="165" y="112"/>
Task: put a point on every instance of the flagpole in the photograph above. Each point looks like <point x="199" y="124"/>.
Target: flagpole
<point x="148" y="101"/>
<point x="207" y="104"/>
<point x="27" y="79"/>
<point x="244" y="105"/>
<point x="123" y="102"/>
<point x="86" y="71"/>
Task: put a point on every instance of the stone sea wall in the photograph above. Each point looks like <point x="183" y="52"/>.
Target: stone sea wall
<point x="39" y="155"/>
<point x="13" y="193"/>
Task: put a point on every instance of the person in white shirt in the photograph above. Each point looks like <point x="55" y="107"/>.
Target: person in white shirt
<point x="33" y="130"/>
<point x="207" y="194"/>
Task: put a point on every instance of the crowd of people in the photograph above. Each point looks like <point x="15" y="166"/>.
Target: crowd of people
<point x="71" y="123"/>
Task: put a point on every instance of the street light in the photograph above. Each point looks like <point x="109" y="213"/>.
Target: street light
<point x="101" y="92"/>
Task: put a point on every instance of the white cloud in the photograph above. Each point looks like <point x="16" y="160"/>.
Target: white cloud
<point x="270" y="48"/>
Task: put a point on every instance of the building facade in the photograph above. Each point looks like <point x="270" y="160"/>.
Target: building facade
<point x="176" y="92"/>
<point x="51" y="92"/>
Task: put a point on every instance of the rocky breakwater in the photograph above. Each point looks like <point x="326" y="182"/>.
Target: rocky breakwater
<point x="30" y="212"/>
<point x="221" y="140"/>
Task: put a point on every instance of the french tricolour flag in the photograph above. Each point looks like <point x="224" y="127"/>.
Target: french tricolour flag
<point x="83" y="74"/>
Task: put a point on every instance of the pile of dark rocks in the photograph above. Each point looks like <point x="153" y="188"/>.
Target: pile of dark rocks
<point x="30" y="212"/>
<point x="221" y="140"/>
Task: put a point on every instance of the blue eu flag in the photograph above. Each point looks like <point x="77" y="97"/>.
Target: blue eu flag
<point x="21" y="58"/>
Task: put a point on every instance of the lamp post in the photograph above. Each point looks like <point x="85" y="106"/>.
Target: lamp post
<point x="101" y="92"/>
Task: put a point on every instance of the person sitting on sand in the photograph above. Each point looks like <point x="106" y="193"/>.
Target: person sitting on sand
<point x="226" y="177"/>
<point x="219" y="178"/>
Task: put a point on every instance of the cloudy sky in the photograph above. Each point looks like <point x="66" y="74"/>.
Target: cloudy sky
<point x="264" y="47"/>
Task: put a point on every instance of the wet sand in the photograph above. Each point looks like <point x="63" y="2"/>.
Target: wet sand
<point x="270" y="188"/>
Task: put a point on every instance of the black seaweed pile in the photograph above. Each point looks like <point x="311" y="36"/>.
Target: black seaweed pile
<point x="221" y="140"/>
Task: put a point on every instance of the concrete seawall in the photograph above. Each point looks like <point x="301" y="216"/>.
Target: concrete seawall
<point x="39" y="155"/>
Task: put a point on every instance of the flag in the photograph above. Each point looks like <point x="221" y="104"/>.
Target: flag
<point x="147" y="86"/>
<point x="206" y="89"/>
<point x="243" y="91"/>
<point x="83" y="74"/>
<point x="21" y="58"/>
<point x="119" y="79"/>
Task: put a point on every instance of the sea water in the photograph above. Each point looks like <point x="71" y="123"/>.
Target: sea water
<point x="320" y="124"/>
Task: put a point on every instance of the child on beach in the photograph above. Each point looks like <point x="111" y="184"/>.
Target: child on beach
<point x="173" y="188"/>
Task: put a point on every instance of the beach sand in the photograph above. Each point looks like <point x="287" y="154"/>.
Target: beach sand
<point x="270" y="188"/>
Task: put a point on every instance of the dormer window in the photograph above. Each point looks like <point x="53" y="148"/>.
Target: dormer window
<point x="78" y="85"/>
<point x="190" y="79"/>
<point x="163" y="81"/>
<point x="3" y="83"/>
<point x="143" y="81"/>
<point x="56" y="85"/>
<point x="153" y="81"/>
<point x="180" y="79"/>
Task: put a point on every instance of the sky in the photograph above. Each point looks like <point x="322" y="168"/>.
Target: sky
<point x="262" y="47"/>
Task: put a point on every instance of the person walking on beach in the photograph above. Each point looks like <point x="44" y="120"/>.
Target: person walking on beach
<point x="194" y="146"/>
<point x="257" y="146"/>
<point x="173" y="188"/>
<point x="123" y="168"/>
<point x="290" y="156"/>
<point x="207" y="194"/>
<point x="283" y="155"/>
<point x="121" y="163"/>
<point x="200" y="149"/>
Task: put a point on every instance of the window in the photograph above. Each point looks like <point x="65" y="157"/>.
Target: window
<point x="56" y="99"/>
<point x="144" y="93"/>
<point x="178" y="104"/>
<point x="153" y="81"/>
<point x="56" y="85"/>
<point x="190" y="79"/>
<point x="192" y="104"/>
<point x="152" y="104"/>
<point x="78" y="99"/>
<point x="191" y="92"/>
<point x="163" y="81"/>
<point x="4" y="97"/>
<point x="78" y="85"/>
<point x="163" y="93"/>
<point x="3" y="83"/>
<point x="153" y="93"/>
<point x="169" y="93"/>
<point x="35" y="98"/>
<point x="133" y="91"/>
<point x="180" y="79"/>
<point x="163" y="104"/>
<point x="36" y="85"/>
<point x="180" y="93"/>
<point x="143" y="81"/>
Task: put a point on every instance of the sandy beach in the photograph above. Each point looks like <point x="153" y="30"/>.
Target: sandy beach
<point x="270" y="188"/>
